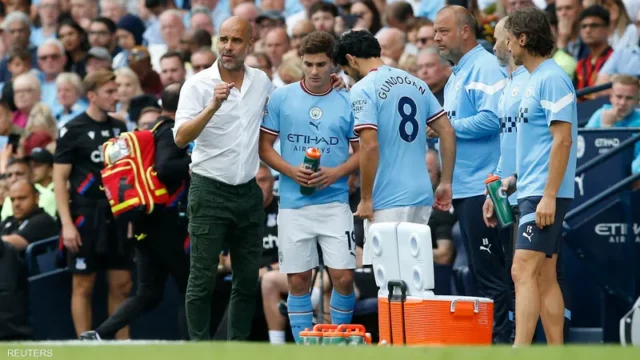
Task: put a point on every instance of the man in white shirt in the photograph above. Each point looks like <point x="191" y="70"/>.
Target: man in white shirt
<point x="222" y="107"/>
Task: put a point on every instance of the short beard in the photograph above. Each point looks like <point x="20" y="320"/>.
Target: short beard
<point x="236" y="65"/>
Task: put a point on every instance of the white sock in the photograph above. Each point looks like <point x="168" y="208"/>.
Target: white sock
<point x="276" y="337"/>
<point x="315" y="297"/>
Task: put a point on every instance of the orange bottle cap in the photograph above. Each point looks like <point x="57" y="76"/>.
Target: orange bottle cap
<point x="491" y="179"/>
<point x="313" y="153"/>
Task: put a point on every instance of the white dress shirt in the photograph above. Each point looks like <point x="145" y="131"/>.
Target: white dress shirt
<point x="227" y="148"/>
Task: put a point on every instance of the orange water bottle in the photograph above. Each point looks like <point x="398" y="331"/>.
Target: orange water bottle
<point x="311" y="162"/>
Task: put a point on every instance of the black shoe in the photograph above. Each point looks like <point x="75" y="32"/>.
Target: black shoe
<point x="89" y="335"/>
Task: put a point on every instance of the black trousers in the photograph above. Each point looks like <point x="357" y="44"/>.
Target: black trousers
<point x="160" y="254"/>
<point x="488" y="262"/>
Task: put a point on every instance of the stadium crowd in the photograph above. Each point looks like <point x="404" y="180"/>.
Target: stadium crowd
<point x="68" y="60"/>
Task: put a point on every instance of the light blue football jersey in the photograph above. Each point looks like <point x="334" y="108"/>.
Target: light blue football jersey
<point x="508" y="111"/>
<point x="399" y="106"/>
<point x="304" y="120"/>
<point x="471" y="98"/>
<point x="550" y="96"/>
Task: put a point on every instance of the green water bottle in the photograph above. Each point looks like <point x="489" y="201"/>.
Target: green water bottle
<point x="501" y="207"/>
<point x="311" y="162"/>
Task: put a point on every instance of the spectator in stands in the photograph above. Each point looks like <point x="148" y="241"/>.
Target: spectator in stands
<point x="560" y="56"/>
<point x="249" y="12"/>
<point x="433" y="70"/>
<point x="260" y="61"/>
<point x="152" y="35"/>
<point x="147" y="118"/>
<point x="594" y="25"/>
<point x="113" y="10"/>
<point x="277" y="44"/>
<point x="408" y="62"/>
<point x="300" y="30"/>
<point x="29" y="223"/>
<point x="26" y="93"/>
<point x="304" y="13"/>
<point x="42" y="173"/>
<point x="624" y="61"/>
<point x="290" y="71"/>
<point x="399" y="15"/>
<point x="267" y="21"/>
<point x="20" y="169"/>
<point x="323" y="16"/>
<point x="568" y="36"/>
<point x="172" y="29"/>
<point x="102" y="33"/>
<point x="48" y="13"/>
<point x="201" y="20"/>
<point x="76" y="45"/>
<point x="440" y="222"/>
<point x="7" y="127"/>
<point x="140" y="63"/>
<point x="129" y="34"/>
<point x="70" y="96"/>
<point x="368" y="16"/>
<point x="17" y="30"/>
<point x="41" y="129"/>
<point x="83" y="11"/>
<point x="172" y="68"/>
<point x="202" y="59"/>
<point x="128" y="88"/>
<point x="51" y="60"/>
<point x="623" y="110"/>
<point x="392" y="42"/>
<point x="622" y="32"/>
<point x="98" y="58"/>
<point x="18" y="62"/>
<point x="425" y="35"/>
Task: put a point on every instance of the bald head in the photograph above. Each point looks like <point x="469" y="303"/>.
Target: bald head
<point x="237" y="25"/>
<point x="392" y="43"/>
<point x="247" y="11"/>
<point x="462" y="16"/>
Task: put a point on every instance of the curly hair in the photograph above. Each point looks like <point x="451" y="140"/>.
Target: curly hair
<point x="533" y="23"/>
<point x="361" y="44"/>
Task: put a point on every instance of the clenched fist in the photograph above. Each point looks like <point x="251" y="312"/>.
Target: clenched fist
<point x="221" y="93"/>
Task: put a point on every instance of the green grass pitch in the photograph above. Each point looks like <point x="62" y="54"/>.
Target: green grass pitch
<point x="251" y="351"/>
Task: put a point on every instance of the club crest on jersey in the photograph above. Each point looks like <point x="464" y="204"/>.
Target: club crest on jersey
<point x="315" y="113"/>
<point x="529" y="92"/>
<point x="515" y="90"/>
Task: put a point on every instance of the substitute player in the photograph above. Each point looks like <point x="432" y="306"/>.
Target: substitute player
<point x="471" y="98"/>
<point x="392" y="109"/>
<point x="546" y="165"/>
<point x="309" y="114"/>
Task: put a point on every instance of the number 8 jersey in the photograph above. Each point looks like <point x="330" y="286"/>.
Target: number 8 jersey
<point x="399" y="106"/>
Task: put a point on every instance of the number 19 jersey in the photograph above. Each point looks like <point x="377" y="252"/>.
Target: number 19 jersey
<point x="399" y="106"/>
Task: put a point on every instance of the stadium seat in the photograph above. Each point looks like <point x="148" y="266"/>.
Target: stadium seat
<point x="41" y="256"/>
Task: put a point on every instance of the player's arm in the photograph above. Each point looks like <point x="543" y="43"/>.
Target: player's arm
<point x="61" y="173"/>
<point x="271" y="157"/>
<point x="443" y="127"/>
<point x="485" y="96"/>
<point x="559" y="157"/>
<point x="369" y="158"/>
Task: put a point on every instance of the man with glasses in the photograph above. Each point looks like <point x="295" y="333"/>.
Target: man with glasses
<point x="51" y="60"/>
<point x="102" y="33"/>
<point x="594" y="32"/>
<point x="300" y="30"/>
<point x="425" y="35"/>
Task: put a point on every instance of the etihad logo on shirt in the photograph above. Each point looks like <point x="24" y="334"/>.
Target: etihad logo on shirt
<point x="312" y="139"/>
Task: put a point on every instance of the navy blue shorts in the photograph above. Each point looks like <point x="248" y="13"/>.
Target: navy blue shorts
<point x="530" y="237"/>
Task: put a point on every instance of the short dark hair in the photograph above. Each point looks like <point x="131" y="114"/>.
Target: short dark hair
<point x="596" y="11"/>
<point x="534" y="23"/>
<point x="318" y="42"/>
<point x="97" y="79"/>
<point x="107" y="22"/>
<point x="400" y="10"/>
<point x="19" y="53"/>
<point x="322" y="6"/>
<point x="551" y="14"/>
<point x="360" y="44"/>
<point x="202" y="38"/>
<point x="173" y="54"/>
<point x="170" y="97"/>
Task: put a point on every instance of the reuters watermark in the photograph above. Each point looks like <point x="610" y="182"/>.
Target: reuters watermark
<point x="29" y="353"/>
